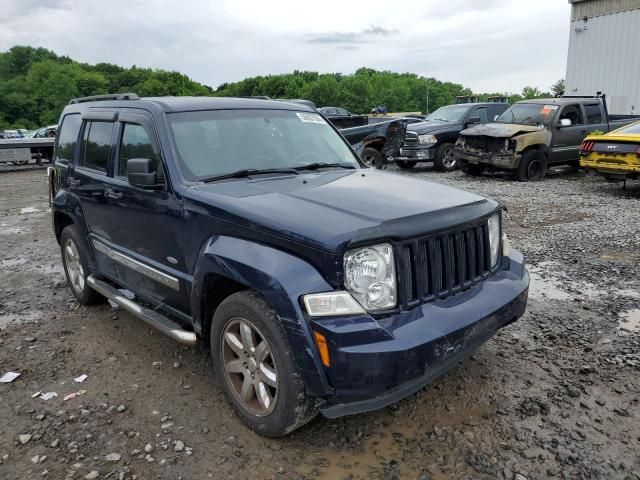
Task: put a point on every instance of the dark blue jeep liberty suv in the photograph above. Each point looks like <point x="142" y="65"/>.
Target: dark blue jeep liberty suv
<point x="318" y="284"/>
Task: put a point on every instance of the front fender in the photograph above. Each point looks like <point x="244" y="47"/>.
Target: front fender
<point x="281" y="278"/>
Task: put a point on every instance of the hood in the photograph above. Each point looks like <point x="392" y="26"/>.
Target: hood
<point x="331" y="210"/>
<point x="500" y="130"/>
<point x="430" y="127"/>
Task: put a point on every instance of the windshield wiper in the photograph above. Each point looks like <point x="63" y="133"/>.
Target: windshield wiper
<point x="248" y="172"/>
<point x="317" y="165"/>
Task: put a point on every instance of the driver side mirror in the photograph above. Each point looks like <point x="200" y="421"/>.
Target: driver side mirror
<point x="495" y="117"/>
<point x="141" y="173"/>
<point x="473" y="120"/>
<point x="565" y="122"/>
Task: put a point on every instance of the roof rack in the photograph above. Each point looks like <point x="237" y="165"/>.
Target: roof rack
<point x="97" y="98"/>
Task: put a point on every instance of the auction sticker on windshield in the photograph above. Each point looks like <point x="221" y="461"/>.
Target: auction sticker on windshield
<point x="310" y="117"/>
<point x="548" y="109"/>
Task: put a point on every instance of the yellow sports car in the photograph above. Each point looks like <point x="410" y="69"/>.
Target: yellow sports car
<point x="615" y="155"/>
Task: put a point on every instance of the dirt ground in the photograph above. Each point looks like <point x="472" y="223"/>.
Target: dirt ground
<point x="555" y="395"/>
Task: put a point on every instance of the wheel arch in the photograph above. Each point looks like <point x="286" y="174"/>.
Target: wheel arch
<point x="60" y="221"/>
<point x="227" y="265"/>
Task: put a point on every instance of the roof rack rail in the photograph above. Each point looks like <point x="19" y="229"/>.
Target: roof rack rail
<point x="97" y="98"/>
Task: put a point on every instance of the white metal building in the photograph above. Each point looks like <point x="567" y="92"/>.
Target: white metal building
<point x="604" y="52"/>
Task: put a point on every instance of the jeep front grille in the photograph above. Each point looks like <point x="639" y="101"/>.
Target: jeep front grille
<point x="437" y="266"/>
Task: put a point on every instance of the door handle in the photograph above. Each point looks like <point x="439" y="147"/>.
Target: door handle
<point x="111" y="194"/>
<point x="583" y="131"/>
<point x="74" y="182"/>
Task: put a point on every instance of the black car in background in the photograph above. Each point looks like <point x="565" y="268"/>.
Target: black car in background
<point x="342" y="118"/>
<point x="433" y="139"/>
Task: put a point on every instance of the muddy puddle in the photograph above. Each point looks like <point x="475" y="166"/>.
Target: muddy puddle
<point x="24" y="264"/>
<point x="544" y="285"/>
<point x="630" y="321"/>
<point x="389" y="439"/>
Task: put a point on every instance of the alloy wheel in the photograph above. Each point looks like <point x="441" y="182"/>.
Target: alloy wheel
<point x="74" y="266"/>
<point x="534" y="170"/>
<point x="448" y="159"/>
<point x="249" y="367"/>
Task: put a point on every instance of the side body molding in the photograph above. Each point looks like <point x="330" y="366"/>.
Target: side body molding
<point x="281" y="278"/>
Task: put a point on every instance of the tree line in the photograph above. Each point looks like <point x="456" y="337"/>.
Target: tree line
<point x="35" y="85"/>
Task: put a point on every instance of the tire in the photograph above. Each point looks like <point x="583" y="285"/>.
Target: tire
<point x="445" y="161"/>
<point x="475" y="170"/>
<point x="285" y="405"/>
<point x="21" y="162"/>
<point x="533" y="167"/>
<point x="406" y="164"/>
<point x="76" y="266"/>
<point x="372" y="158"/>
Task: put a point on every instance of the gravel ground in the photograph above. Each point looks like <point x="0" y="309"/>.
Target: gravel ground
<point x="554" y="395"/>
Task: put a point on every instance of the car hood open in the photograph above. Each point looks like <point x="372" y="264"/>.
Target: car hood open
<point x="500" y="130"/>
<point x="333" y="209"/>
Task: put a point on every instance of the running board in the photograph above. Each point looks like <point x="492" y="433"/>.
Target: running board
<point x="150" y="317"/>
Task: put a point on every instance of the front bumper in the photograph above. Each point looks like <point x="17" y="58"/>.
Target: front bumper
<point x="420" y="153"/>
<point x="509" y="161"/>
<point x="376" y="362"/>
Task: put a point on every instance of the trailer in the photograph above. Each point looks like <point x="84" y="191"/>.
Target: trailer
<point x="21" y="151"/>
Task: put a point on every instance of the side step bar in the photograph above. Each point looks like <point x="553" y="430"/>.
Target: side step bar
<point x="151" y="317"/>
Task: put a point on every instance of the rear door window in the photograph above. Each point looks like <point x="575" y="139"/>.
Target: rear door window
<point x="68" y="137"/>
<point x="593" y="113"/>
<point x="96" y="145"/>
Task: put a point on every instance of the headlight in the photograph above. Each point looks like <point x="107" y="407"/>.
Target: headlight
<point x="494" y="238"/>
<point x="370" y="276"/>
<point x="426" y="138"/>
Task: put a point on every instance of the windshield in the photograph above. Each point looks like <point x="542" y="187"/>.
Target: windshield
<point x="450" y="114"/>
<point x="219" y="142"/>
<point x="528" y="114"/>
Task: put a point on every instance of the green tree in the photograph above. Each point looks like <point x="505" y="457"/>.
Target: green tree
<point x="558" y="88"/>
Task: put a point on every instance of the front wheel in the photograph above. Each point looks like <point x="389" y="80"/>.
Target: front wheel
<point x="445" y="161"/>
<point x="253" y="364"/>
<point x="533" y="167"/>
<point x="20" y="162"/>
<point x="372" y="158"/>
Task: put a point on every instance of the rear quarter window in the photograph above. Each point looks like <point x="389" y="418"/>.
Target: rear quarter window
<point x="68" y="137"/>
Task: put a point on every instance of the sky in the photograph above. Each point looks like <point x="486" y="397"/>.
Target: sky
<point x="486" y="45"/>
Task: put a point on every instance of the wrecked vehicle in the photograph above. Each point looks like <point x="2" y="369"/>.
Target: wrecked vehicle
<point x="533" y="134"/>
<point x="377" y="143"/>
<point x="433" y="139"/>
<point x="615" y="155"/>
<point x="318" y="285"/>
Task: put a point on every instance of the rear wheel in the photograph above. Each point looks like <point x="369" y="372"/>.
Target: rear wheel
<point x="472" y="169"/>
<point x="533" y="167"/>
<point x="254" y="365"/>
<point x="445" y="161"/>
<point x="20" y="162"/>
<point x="406" y="164"/>
<point x="372" y="158"/>
<point x="76" y="266"/>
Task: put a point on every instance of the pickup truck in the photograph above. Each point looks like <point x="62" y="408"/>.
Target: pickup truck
<point x="342" y="118"/>
<point x="533" y="134"/>
<point x="433" y="139"/>
<point x="319" y="285"/>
